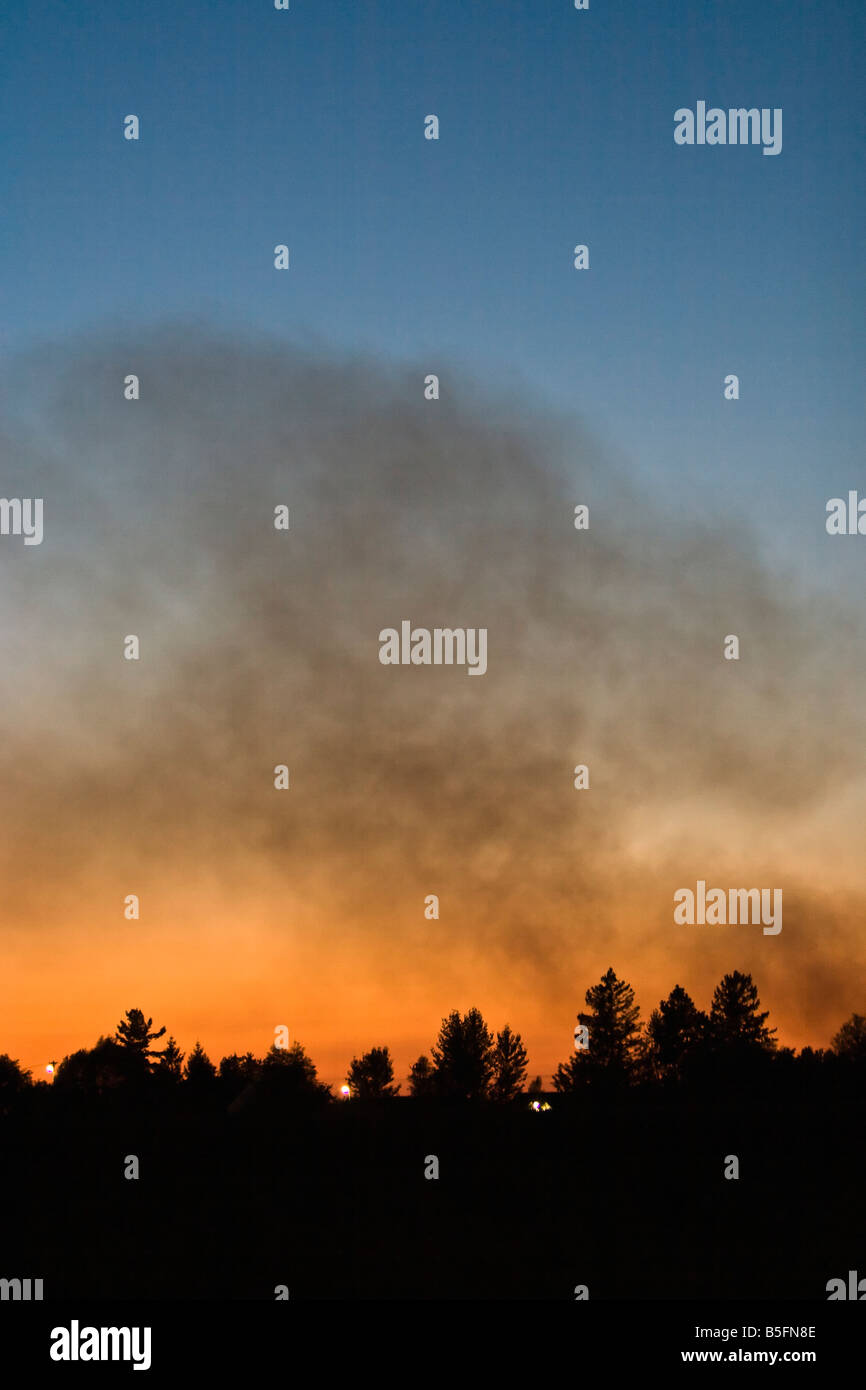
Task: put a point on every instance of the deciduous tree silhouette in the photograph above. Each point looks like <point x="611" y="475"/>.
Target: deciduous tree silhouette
<point x="237" y="1072"/>
<point x="463" y="1057"/>
<point x="509" y="1065"/>
<point x="421" y="1078"/>
<point x="371" y="1076"/>
<point x="101" y="1068"/>
<point x="134" y="1035"/>
<point x="287" y="1072"/>
<point x="14" y="1081"/>
<point x="850" y="1041"/>
<point x="13" y="1077"/>
<point x="615" y="1043"/>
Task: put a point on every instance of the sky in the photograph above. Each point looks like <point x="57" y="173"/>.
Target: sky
<point x="410" y="256"/>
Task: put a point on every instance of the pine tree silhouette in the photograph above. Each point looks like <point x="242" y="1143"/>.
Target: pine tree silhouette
<point x="199" y="1070"/>
<point x="133" y="1033"/>
<point x="170" y="1061"/>
<point x="615" y="1043"/>
<point x="676" y="1031"/>
<point x="735" y="1023"/>
<point x="509" y="1065"/>
<point x="463" y="1057"/>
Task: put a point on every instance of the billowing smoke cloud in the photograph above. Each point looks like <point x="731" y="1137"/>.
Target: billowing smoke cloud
<point x="260" y="647"/>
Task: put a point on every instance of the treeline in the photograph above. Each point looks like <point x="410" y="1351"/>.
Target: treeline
<point x="679" y="1045"/>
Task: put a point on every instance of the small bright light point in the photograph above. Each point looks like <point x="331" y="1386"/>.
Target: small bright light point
<point x="50" y="1069"/>
<point x="344" y="1090"/>
<point x="535" y="1105"/>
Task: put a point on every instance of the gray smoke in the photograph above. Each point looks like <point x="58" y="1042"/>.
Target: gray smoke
<point x="261" y="647"/>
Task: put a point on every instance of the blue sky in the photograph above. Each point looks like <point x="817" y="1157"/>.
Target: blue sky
<point x="306" y="127"/>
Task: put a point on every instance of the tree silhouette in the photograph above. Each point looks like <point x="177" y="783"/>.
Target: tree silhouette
<point x="615" y="1042"/>
<point x="676" y="1031"/>
<point x="104" y="1067"/>
<point x="735" y="1025"/>
<point x="288" y="1073"/>
<point x="371" y="1076"/>
<point x="200" y="1070"/>
<point x="170" y="1061"/>
<point x="14" y="1080"/>
<point x="134" y="1035"/>
<point x="850" y="1041"/>
<point x="509" y="1065"/>
<point x="237" y="1072"/>
<point x="463" y="1057"/>
<point x="570" y="1075"/>
<point x="421" y="1078"/>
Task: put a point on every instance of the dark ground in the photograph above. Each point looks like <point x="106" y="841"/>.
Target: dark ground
<point x="625" y="1195"/>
